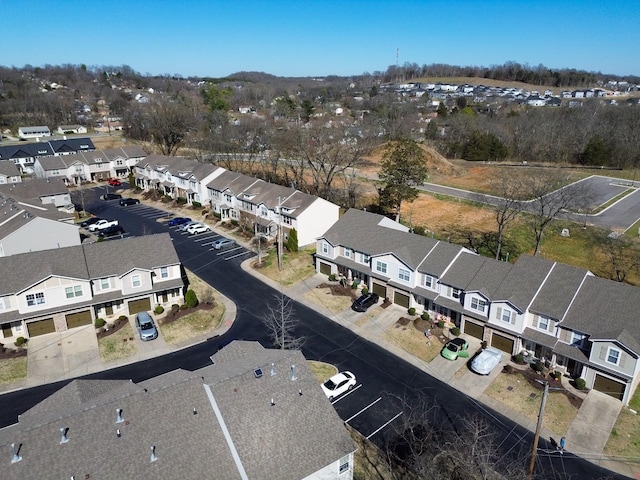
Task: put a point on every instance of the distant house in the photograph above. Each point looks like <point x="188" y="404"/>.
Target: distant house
<point x="9" y="173"/>
<point x="63" y="129"/>
<point x="33" y="132"/>
<point x="25" y="154"/>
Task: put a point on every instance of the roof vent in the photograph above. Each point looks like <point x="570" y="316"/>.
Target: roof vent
<point x="16" y="453"/>
<point x="63" y="434"/>
<point x="195" y="412"/>
<point x="273" y="402"/>
<point x="119" y="418"/>
<point x="154" y="457"/>
<point x="257" y="372"/>
<point x="118" y="433"/>
<point x="300" y="392"/>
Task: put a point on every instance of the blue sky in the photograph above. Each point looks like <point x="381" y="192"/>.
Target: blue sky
<point x="316" y="38"/>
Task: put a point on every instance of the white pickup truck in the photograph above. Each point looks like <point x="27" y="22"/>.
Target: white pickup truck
<point x="101" y="224"/>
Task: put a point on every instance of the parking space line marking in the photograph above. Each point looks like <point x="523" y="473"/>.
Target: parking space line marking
<point x="238" y="255"/>
<point x="365" y="408"/>
<point x="384" y="425"/>
<point x="344" y="395"/>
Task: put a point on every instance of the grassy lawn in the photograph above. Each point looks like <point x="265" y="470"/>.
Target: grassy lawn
<point x="198" y="323"/>
<point x="413" y="341"/>
<point x="296" y="266"/>
<point x="625" y="435"/>
<point x="333" y="303"/>
<point x="322" y="370"/>
<point x="13" y="370"/>
<point x="118" y="345"/>
<point x="517" y="394"/>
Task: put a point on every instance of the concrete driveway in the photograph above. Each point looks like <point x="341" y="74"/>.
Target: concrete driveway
<point x="58" y="356"/>
<point x="597" y="414"/>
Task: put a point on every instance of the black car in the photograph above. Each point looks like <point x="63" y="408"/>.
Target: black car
<point x="128" y="201"/>
<point x="89" y="221"/>
<point x="111" y="196"/>
<point x="111" y="231"/>
<point x="364" y="302"/>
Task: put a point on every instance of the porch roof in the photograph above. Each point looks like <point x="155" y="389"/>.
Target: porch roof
<point x="539" y="337"/>
<point x="570" y="351"/>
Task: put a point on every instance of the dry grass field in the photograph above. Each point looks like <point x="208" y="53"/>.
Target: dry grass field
<point x="13" y="370"/>
<point x="121" y="344"/>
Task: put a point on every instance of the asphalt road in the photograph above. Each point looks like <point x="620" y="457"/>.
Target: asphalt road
<point x="601" y="190"/>
<point x="389" y="390"/>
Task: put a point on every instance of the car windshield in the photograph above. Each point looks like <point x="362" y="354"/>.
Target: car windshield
<point x="453" y="347"/>
<point x="146" y="326"/>
<point x="330" y="385"/>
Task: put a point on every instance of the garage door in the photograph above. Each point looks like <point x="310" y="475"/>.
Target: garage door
<point x="325" y="268"/>
<point x="136" y="306"/>
<point x="502" y="343"/>
<point x="79" y="319"/>
<point x="41" y="327"/>
<point x="379" y="290"/>
<point x="474" y="330"/>
<point x="609" y="386"/>
<point x="401" y="299"/>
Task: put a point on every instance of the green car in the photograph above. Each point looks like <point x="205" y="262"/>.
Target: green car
<point x="455" y="348"/>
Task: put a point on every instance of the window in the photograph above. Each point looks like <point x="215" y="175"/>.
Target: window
<point x="35" y="299"/>
<point x="136" y="281"/>
<point x="1" y="303"/>
<point x="429" y="281"/>
<point x="164" y="272"/>
<point x="347" y="252"/>
<point x="325" y="247"/>
<point x="404" y="274"/>
<point x="366" y="258"/>
<point x="577" y="339"/>
<point x="75" y="291"/>
<point x="477" y="304"/>
<point x="544" y="324"/>
<point x="613" y="356"/>
<point x="381" y="266"/>
<point x="105" y="284"/>
<point x="344" y="464"/>
<point x="456" y="292"/>
<point x="508" y="316"/>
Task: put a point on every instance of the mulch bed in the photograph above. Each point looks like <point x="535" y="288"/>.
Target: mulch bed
<point x="12" y="352"/>
<point x="339" y="290"/>
<point x="535" y="378"/>
<point x="172" y="317"/>
<point x="117" y="325"/>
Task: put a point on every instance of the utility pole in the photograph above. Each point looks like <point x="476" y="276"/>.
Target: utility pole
<point x="280" y="233"/>
<point x="536" y="437"/>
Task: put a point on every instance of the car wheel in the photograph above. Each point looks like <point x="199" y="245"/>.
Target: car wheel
<point x="350" y="387"/>
<point x="331" y="398"/>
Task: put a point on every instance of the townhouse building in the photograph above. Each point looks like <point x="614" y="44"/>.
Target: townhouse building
<point x="53" y="290"/>
<point x="260" y="206"/>
<point x="252" y="413"/>
<point x="25" y="154"/>
<point x="9" y="173"/>
<point x="93" y="166"/>
<point x="564" y="316"/>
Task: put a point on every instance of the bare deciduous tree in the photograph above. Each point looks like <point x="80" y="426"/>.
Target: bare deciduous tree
<point x="281" y="323"/>
<point x="509" y="188"/>
<point x="623" y="256"/>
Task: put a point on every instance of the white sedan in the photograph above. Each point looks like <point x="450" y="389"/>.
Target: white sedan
<point x="486" y="361"/>
<point x="338" y="384"/>
<point x="197" y="228"/>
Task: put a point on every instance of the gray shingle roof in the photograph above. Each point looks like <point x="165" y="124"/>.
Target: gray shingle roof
<point x="606" y="310"/>
<point x="297" y="436"/>
<point x="523" y="281"/>
<point x="9" y="169"/>
<point x="558" y="291"/>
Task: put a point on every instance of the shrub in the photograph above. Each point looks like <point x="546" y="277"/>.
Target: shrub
<point x="292" y="240"/>
<point x="175" y="307"/>
<point x="484" y="344"/>
<point x="196" y="204"/>
<point x="217" y="215"/>
<point x="556" y="375"/>
<point x="166" y="199"/>
<point x="537" y="366"/>
<point x="411" y="311"/>
<point x="332" y="277"/>
<point x="100" y="322"/>
<point x="455" y="331"/>
<point x="440" y="324"/>
<point x="354" y="285"/>
<point x="519" y="359"/>
<point x="234" y="222"/>
<point x="184" y="306"/>
<point x="508" y="369"/>
<point x="191" y="299"/>
<point x="581" y="384"/>
<point x="425" y="316"/>
<point x="158" y="310"/>
<point x="208" y="297"/>
<point x="365" y="290"/>
<point x="181" y="200"/>
<point x="20" y="341"/>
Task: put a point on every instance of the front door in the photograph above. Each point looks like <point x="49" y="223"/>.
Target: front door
<point x="6" y="330"/>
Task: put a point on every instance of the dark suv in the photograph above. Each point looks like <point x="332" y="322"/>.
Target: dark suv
<point x="364" y="302"/>
<point x="111" y="196"/>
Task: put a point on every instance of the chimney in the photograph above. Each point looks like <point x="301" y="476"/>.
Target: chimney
<point x="154" y="457"/>
<point x="119" y="418"/>
<point x="63" y="435"/>
<point x="293" y="372"/>
<point x="16" y="453"/>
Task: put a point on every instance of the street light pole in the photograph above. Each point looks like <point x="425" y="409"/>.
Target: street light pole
<point x="536" y="437"/>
